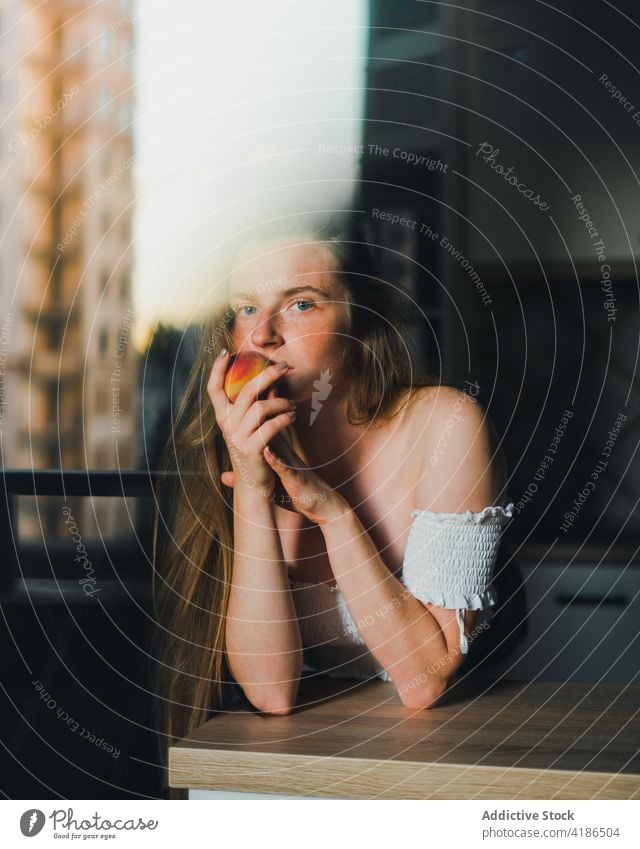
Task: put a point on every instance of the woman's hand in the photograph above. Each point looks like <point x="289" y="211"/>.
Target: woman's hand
<point x="305" y="491"/>
<point x="249" y="424"/>
<point x="298" y="488"/>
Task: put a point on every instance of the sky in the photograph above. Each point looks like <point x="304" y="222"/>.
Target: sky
<point x="234" y="111"/>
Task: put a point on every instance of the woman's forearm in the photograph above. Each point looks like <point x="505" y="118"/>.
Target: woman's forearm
<point x="264" y="646"/>
<point x="398" y="630"/>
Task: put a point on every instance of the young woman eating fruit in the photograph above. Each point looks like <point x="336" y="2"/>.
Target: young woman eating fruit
<point x="341" y="509"/>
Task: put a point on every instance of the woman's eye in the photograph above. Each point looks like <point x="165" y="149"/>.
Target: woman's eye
<point x="306" y="303"/>
<point x="306" y="307"/>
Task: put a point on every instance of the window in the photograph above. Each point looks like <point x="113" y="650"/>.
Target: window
<point x="103" y="456"/>
<point x="55" y="332"/>
<point x="103" y="341"/>
<point x="51" y="402"/>
<point x="124" y="455"/>
<point x="101" y="399"/>
<point x="125" y="398"/>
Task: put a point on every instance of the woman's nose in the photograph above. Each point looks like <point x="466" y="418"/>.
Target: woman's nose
<point x="266" y="330"/>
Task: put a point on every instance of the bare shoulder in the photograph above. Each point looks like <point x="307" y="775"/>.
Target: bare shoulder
<point x="459" y="447"/>
<point x="432" y="405"/>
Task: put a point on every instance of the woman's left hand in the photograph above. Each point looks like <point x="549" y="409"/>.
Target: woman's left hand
<point x="304" y="491"/>
<point x="298" y="487"/>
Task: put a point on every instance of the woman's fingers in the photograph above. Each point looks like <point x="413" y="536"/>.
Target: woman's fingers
<point x="283" y="449"/>
<point x="279" y="441"/>
<point x="250" y="422"/>
<point x="265" y="410"/>
<point x="257" y="385"/>
<point x="266" y="432"/>
<point x="295" y="477"/>
<point x="224" y="408"/>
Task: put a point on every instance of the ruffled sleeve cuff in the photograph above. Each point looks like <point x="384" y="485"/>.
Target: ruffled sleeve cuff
<point x="450" y="558"/>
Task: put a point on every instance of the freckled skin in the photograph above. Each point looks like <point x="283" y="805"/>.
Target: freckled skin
<point x="305" y="329"/>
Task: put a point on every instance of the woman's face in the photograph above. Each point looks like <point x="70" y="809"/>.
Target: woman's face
<point x="288" y="304"/>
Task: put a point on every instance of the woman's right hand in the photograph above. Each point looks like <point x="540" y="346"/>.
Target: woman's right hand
<point x="250" y="423"/>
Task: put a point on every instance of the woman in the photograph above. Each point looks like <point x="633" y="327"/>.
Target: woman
<point x="368" y="540"/>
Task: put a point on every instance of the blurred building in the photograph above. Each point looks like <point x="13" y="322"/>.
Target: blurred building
<point x="67" y="361"/>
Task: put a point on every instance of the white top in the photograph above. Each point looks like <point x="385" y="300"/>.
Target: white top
<point x="449" y="562"/>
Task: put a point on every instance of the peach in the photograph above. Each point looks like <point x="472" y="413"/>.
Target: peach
<point x="243" y="366"/>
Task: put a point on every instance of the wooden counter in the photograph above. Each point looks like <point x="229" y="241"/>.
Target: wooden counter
<point x="350" y="739"/>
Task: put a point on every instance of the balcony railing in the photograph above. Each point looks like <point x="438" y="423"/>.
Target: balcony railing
<point x="67" y="484"/>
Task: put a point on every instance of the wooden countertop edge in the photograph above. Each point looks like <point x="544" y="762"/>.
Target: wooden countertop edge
<point x="361" y="778"/>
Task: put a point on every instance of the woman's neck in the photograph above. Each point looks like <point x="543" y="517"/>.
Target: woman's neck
<point x="329" y="440"/>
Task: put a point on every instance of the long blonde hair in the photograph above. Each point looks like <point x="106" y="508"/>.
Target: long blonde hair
<point x="193" y="526"/>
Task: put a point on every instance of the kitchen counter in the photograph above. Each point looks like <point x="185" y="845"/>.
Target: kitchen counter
<point x="352" y="739"/>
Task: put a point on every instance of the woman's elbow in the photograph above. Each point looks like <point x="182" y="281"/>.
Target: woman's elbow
<point x="278" y="702"/>
<point x="278" y="711"/>
<point x="422" y="698"/>
<point x="277" y="706"/>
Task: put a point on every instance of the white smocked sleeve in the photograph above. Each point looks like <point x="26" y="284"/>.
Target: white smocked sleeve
<point x="450" y="558"/>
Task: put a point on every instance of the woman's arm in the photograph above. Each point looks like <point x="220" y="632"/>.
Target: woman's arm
<point x="264" y="646"/>
<point x="397" y="628"/>
<point x="400" y="632"/>
<point x="417" y="643"/>
<point x="263" y="643"/>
